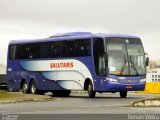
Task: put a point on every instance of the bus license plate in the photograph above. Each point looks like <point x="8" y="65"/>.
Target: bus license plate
<point x="128" y="87"/>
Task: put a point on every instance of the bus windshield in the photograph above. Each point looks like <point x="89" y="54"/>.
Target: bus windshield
<point x="125" y="56"/>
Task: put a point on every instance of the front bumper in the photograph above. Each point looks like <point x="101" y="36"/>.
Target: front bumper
<point x="115" y="87"/>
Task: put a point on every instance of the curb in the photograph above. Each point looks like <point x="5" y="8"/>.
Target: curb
<point x="146" y="103"/>
<point x="79" y="91"/>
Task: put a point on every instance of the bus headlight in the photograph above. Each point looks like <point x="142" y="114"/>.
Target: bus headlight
<point x="112" y="80"/>
<point x="142" y="80"/>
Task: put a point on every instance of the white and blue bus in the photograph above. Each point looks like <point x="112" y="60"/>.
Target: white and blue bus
<point x="77" y="61"/>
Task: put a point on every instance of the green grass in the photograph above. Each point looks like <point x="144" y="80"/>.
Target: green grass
<point x="157" y="98"/>
<point x="19" y="97"/>
<point x="8" y="95"/>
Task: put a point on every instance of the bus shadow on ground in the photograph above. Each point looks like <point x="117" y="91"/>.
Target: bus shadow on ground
<point x="102" y="97"/>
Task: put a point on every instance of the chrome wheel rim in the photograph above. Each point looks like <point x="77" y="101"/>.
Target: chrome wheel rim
<point x="24" y="88"/>
<point x="33" y="89"/>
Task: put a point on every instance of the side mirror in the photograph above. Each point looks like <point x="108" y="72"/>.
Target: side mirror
<point x="147" y="59"/>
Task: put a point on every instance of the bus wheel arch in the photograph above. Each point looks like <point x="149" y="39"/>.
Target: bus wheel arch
<point x="24" y="86"/>
<point x="88" y="85"/>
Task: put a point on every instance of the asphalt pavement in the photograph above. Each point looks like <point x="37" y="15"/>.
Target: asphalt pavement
<point x="79" y="103"/>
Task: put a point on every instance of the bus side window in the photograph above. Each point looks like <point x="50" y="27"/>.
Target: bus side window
<point x="44" y="50"/>
<point x="70" y="48"/>
<point x="84" y="47"/>
<point x="12" y="52"/>
<point x="56" y="49"/>
<point x="32" y="51"/>
<point x="79" y="48"/>
<point x="20" y="52"/>
<point x="99" y="60"/>
<point x="27" y="51"/>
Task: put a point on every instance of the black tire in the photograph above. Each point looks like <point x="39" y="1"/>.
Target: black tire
<point x="91" y="93"/>
<point x="123" y="94"/>
<point x="66" y="93"/>
<point x="61" y="93"/>
<point x="24" y="87"/>
<point x="33" y="88"/>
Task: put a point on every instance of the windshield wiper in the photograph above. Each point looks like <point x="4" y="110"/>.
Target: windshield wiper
<point x="124" y="65"/>
<point x="133" y="65"/>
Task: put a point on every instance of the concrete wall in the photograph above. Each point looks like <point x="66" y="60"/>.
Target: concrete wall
<point x="2" y="69"/>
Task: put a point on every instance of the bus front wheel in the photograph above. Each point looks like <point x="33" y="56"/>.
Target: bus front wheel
<point x="91" y="93"/>
<point x="123" y="94"/>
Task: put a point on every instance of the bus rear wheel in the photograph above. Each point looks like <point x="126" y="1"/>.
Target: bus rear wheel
<point x="24" y="88"/>
<point x="91" y="93"/>
<point x="123" y="94"/>
<point x="33" y="87"/>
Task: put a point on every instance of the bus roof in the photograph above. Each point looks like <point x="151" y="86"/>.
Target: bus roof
<point x="70" y="35"/>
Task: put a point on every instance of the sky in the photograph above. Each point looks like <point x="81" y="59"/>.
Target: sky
<point x="32" y="19"/>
